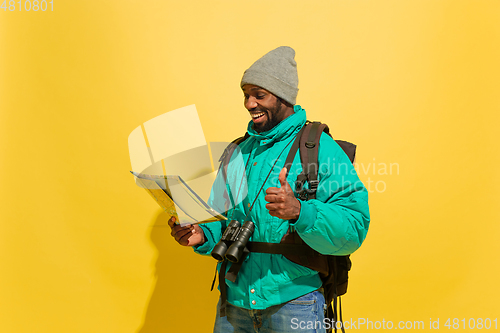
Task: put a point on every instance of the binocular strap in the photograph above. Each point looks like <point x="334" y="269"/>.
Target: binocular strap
<point x="231" y="275"/>
<point x="223" y="291"/>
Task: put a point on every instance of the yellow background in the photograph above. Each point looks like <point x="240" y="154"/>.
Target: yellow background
<point x="413" y="83"/>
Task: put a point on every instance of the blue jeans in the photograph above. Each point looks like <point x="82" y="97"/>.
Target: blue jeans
<point x="304" y="314"/>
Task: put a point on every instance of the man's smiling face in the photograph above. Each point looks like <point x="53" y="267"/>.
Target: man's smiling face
<point x="265" y="109"/>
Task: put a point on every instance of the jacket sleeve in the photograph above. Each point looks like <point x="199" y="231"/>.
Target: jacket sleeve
<point x="337" y="221"/>
<point x="213" y="233"/>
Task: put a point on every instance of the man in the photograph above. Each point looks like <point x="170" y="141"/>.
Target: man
<point x="271" y="293"/>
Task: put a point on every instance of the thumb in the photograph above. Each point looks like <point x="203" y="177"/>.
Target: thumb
<point x="282" y="179"/>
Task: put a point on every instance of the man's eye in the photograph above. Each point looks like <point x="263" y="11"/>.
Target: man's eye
<point x="260" y="96"/>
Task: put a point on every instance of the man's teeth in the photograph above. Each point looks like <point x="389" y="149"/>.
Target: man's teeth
<point x="257" y="115"/>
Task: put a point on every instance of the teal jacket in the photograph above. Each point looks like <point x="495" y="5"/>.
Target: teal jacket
<point x="336" y="222"/>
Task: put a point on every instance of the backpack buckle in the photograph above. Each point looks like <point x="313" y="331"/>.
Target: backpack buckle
<point x="311" y="191"/>
<point x="303" y="193"/>
<point x="299" y="186"/>
<point x="310" y="144"/>
<point x="299" y="183"/>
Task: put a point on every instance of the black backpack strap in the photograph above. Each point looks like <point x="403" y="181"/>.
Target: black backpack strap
<point x="307" y="142"/>
<point x="309" y="145"/>
<point x="282" y="248"/>
<point x="293" y="150"/>
<point x="224" y="161"/>
<point x="228" y="152"/>
<point x="340" y="316"/>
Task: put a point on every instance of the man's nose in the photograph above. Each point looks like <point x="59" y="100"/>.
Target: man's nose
<point x="250" y="103"/>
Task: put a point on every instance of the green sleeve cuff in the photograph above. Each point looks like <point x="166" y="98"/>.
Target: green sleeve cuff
<point x="205" y="248"/>
<point x="306" y="218"/>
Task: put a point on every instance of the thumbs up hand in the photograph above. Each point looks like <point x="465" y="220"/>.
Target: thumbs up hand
<point x="281" y="201"/>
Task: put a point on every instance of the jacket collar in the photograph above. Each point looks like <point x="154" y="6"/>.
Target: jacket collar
<point x="284" y="129"/>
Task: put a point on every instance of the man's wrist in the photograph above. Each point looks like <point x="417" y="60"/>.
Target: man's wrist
<point x="203" y="238"/>
<point x="298" y="211"/>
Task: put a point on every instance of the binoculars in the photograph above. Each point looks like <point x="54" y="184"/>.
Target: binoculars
<point x="233" y="242"/>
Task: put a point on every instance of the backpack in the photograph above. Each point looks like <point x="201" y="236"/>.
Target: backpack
<point x="333" y="270"/>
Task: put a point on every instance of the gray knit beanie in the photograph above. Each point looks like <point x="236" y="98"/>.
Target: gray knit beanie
<point x="276" y="72"/>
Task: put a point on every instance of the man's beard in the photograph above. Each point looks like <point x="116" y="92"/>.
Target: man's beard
<point x="273" y="117"/>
